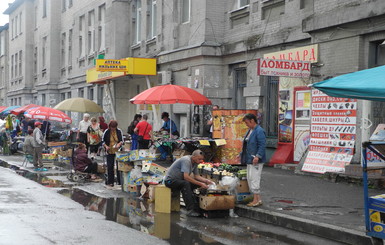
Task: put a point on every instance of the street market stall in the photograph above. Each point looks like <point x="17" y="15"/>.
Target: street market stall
<point x="366" y="84"/>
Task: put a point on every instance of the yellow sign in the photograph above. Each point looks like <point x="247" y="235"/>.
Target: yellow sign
<point x="220" y="142"/>
<point x="141" y="66"/>
<point x="112" y="65"/>
<point x="94" y="76"/>
<point x="204" y="142"/>
<point x="307" y="53"/>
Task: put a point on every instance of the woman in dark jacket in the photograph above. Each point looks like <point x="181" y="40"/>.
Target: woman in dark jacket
<point x="112" y="141"/>
<point x="134" y="136"/>
<point x="83" y="163"/>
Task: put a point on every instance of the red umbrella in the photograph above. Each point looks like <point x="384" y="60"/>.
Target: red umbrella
<point x="47" y="113"/>
<point x="170" y="94"/>
<point x="22" y="109"/>
<point x="2" y="108"/>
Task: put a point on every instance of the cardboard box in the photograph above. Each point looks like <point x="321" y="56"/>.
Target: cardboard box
<point x="125" y="166"/>
<point x="66" y="153"/>
<point x="244" y="197"/>
<point x="151" y="193"/>
<point x="178" y="153"/>
<point x="53" y="144"/>
<point x="143" y="154"/>
<point x="243" y="186"/>
<point x="221" y="202"/>
<point x="122" y="156"/>
<point x="162" y="228"/>
<point x="49" y="157"/>
<point x="377" y="214"/>
<point x="162" y="199"/>
<point x="153" y="168"/>
<point x="132" y="189"/>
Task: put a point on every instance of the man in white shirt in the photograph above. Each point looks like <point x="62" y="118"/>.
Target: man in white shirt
<point x="82" y="130"/>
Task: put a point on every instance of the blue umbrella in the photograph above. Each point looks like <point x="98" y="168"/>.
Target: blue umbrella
<point x="8" y="110"/>
<point x="367" y="84"/>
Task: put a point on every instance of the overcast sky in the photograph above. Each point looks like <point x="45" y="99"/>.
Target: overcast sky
<point x="3" y="7"/>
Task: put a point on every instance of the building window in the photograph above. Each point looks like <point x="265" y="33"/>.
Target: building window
<point x="272" y="106"/>
<point x="16" y="64"/>
<point x="70" y="47"/>
<point x="70" y="3"/>
<point x="44" y="52"/>
<point x="43" y="99"/>
<point x="69" y="95"/>
<point x="81" y="92"/>
<point x="20" y="23"/>
<point x="12" y="28"/>
<point x="63" y="5"/>
<point x="186" y="11"/>
<point x="101" y="32"/>
<point x="91" y="32"/>
<point x="82" y="38"/>
<point x="36" y="15"/>
<point x="20" y="62"/>
<point x="2" y="44"/>
<point x="63" y="49"/>
<point x="91" y="93"/>
<point x="152" y="21"/>
<point x="138" y="21"/>
<point x="12" y="66"/>
<point x="100" y="95"/>
<point x="35" y="61"/>
<point x="240" y="82"/>
<point x="16" y="32"/>
<point x="242" y="3"/>
<point x="44" y="8"/>
<point x="273" y="11"/>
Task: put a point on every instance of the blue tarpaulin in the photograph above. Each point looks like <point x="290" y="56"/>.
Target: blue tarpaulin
<point x="367" y="84"/>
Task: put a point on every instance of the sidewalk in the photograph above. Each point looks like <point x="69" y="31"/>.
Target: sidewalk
<point x="33" y="214"/>
<point x="304" y="203"/>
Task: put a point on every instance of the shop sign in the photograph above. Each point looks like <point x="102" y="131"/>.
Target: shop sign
<point x="94" y="76"/>
<point x="332" y="133"/>
<point x="307" y="53"/>
<point x="283" y="68"/>
<point x="112" y="65"/>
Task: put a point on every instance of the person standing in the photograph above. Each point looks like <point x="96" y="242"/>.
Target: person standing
<point x="38" y="146"/>
<point x="82" y="130"/>
<point x="112" y="141"/>
<point x="94" y="134"/>
<point x="130" y="130"/>
<point x="24" y="125"/>
<point x="254" y="156"/>
<point x="182" y="176"/>
<point x="143" y="129"/>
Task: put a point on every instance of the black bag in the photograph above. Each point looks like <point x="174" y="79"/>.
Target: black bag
<point x="140" y="137"/>
<point x="130" y="129"/>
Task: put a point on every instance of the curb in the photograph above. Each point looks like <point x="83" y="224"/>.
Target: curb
<point x="328" y="231"/>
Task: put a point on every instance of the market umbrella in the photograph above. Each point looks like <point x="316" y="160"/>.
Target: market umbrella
<point x="7" y="110"/>
<point x="22" y="109"/>
<point x="170" y="94"/>
<point x="366" y="84"/>
<point x="47" y="114"/>
<point x="2" y="108"/>
<point x="79" y="105"/>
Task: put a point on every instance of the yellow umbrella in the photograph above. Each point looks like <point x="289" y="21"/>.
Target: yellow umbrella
<point x="79" y="105"/>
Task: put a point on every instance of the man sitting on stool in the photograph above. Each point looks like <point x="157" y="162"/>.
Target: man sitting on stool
<point x="183" y="176"/>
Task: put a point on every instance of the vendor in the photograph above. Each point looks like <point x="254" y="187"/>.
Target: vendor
<point x="83" y="163"/>
<point x="183" y="176"/>
<point x="169" y="124"/>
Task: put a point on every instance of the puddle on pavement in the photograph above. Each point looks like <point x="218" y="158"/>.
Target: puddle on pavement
<point x="41" y="179"/>
<point x="175" y="228"/>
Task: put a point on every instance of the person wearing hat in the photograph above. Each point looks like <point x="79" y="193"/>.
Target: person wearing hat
<point x="82" y="130"/>
<point x="38" y="146"/>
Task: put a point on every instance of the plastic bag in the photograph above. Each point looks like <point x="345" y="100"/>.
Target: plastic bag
<point x="136" y="177"/>
<point x="231" y="182"/>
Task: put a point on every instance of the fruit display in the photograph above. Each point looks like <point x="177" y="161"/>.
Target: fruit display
<point x="217" y="170"/>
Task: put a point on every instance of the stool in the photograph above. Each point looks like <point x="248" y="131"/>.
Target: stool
<point x="164" y="203"/>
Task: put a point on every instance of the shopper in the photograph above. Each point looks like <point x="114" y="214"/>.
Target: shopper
<point x="94" y="134"/>
<point x="38" y="146"/>
<point x="130" y="130"/>
<point x="254" y="156"/>
<point x="102" y="124"/>
<point x="28" y="143"/>
<point x="169" y="125"/>
<point x="82" y="129"/>
<point x="183" y="176"/>
<point x="112" y="141"/>
<point x="143" y="130"/>
<point x="83" y="163"/>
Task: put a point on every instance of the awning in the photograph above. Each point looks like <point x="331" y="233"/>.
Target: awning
<point x="367" y="84"/>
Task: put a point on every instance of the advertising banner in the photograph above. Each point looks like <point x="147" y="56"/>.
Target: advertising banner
<point x="283" y="68"/>
<point x="333" y="133"/>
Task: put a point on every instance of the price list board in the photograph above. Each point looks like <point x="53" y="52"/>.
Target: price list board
<point x="333" y="133"/>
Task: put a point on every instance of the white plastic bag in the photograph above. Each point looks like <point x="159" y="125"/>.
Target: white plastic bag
<point x="231" y="182"/>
